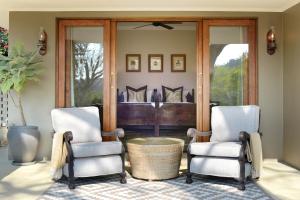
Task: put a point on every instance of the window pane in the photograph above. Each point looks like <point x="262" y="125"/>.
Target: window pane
<point x="85" y="50"/>
<point x="228" y="65"/>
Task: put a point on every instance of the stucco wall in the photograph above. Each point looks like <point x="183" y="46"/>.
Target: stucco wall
<point x="4" y="18"/>
<point x="40" y="99"/>
<point x="291" y="83"/>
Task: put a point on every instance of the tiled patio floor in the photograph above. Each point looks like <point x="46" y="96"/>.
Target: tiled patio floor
<point x="29" y="182"/>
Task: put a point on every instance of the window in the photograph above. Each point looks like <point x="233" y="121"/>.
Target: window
<point x="228" y="65"/>
<point x="86" y="62"/>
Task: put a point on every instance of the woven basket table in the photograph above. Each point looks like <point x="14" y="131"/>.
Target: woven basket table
<point x="155" y="158"/>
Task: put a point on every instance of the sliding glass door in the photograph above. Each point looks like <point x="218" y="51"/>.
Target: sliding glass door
<point x="83" y="65"/>
<point x="86" y="50"/>
<point x="86" y="65"/>
<point x="229" y="64"/>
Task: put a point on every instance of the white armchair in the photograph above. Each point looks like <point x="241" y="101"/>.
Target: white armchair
<point x="87" y="154"/>
<point x="225" y="154"/>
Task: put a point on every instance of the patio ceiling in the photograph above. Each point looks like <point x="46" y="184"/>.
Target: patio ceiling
<point x="148" y="5"/>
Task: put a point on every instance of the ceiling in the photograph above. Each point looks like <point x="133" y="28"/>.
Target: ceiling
<point x="147" y="5"/>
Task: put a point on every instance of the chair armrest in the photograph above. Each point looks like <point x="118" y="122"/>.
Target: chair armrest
<point x="244" y="137"/>
<point x="118" y="132"/>
<point x="192" y="132"/>
<point x="68" y="137"/>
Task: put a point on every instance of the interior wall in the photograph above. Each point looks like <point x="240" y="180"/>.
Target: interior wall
<point x="146" y="42"/>
<point x="39" y="98"/>
<point x="291" y="83"/>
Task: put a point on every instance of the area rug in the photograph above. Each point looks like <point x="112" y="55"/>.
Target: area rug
<point x="109" y="188"/>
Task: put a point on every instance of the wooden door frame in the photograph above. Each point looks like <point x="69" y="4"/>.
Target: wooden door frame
<point x="252" y="78"/>
<point x="62" y="80"/>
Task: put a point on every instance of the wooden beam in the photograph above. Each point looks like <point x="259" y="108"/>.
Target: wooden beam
<point x="113" y="74"/>
<point x="107" y="77"/>
<point x="206" y="77"/>
<point x="199" y="87"/>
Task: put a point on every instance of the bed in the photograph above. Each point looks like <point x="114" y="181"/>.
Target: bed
<point x="156" y="116"/>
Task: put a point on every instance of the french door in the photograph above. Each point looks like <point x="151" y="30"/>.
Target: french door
<point x="229" y="64"/>
<point x="83" y="65"/>
<point x="226" y="65"/>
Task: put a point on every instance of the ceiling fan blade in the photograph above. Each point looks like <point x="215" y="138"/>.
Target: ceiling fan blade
<point x="166" y="26"/>
<point x="142" y="26"/>
<point x="171" y="22"/>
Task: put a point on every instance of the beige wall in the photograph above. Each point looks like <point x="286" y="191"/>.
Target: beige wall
<point x="4" y="18"/>
<point x="291" y="83"/>
<point x="146" y="42"/>
<point x="39" y="99"/>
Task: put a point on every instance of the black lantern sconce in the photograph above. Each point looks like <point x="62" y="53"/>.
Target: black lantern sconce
<point x="271" y="41"/>
<point x="42" y="44"/>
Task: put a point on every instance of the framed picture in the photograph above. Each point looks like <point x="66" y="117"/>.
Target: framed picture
<point x="155" y="63"/>
<point x="178" y="63"/>
<point x="133" y="62"/>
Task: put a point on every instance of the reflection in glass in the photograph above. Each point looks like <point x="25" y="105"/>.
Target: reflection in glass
<point x="86" y="65"/>
<point x="229" y="64"/>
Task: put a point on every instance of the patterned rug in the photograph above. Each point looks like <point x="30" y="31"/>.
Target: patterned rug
<point x="109" y="188"/>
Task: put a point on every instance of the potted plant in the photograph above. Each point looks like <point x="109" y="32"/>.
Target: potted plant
<point x="16" y="70"/>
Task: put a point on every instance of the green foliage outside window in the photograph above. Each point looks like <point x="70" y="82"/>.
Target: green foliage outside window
<point x="227" y="82"/>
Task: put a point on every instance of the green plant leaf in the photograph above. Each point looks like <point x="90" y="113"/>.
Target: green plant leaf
<point x="18" y="68"/>
<point x="6" y="86"/>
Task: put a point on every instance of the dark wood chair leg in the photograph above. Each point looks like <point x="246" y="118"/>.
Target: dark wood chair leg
<point x="243" y="138"/>
<point x="123" y="174"/>
<point x="189" y="179"/>
<point x="123" y="178"/>
<point x="242" y="179"/>
<point x="71" y="179"/>
<point x="68" y="137"/>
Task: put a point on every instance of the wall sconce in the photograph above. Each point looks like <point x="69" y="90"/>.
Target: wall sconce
<point x="42" y="44"/>
<point x="271" y="41"/>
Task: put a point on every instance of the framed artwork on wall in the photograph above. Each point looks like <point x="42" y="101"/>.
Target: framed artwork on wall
<point x="133" y="62"/>
<point x="155" y="63"/>
<point x="178" y="63"/>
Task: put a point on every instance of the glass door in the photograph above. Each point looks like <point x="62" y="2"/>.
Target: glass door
<point x="83" y="74"/>
<point x="85" y="58"/>
<point x="229" y="64"/>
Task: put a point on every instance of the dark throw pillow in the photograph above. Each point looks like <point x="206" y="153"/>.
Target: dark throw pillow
<point x="136" y="95"/>
<point x="172" y="95"/>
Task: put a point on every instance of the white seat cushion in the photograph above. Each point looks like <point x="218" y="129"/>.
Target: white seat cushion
<point x="83" y="122"/>
<point x="223" y="167"/>
<point x="91" y="149"/>
<point x="95" y="166"/>
<point x="228" y="121"/>
<point x="216" y="149"/>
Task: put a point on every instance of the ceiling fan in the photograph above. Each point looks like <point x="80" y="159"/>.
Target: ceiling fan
<point x="162" y="24"/>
